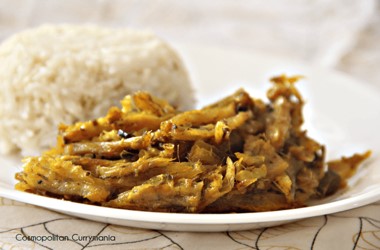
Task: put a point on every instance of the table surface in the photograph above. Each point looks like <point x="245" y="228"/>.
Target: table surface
<point x="314" y="32"/>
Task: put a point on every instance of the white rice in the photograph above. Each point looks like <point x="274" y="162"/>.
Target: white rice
<point x="66" y="73"/>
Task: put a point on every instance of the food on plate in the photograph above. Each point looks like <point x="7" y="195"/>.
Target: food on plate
<point x="239" y="154"/>
<point x="67" y="73"/>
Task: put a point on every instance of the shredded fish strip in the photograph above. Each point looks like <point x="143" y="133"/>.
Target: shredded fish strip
<point x="239" y="154"/>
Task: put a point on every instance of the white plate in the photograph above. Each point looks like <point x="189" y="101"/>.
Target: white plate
<point x="340" y="112"/>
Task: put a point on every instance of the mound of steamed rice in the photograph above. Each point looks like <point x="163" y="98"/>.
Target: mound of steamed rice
<point x="66" y="73"/>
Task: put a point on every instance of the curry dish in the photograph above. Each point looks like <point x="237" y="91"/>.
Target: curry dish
<point x="239" y="154"/>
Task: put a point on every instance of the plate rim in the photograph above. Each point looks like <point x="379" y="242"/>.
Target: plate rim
<point x="193" y="218"/>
